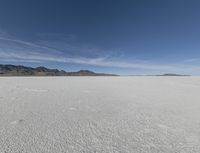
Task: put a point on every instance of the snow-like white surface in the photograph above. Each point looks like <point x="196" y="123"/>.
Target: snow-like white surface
<point x="100" y="114"/>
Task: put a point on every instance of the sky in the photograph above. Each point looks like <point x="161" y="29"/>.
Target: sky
<point x="127" y="37"/>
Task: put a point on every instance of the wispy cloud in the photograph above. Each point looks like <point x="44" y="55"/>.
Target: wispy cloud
<point x="100" y="61"/>
<point x="39" y="53"/>
<point x="20" y="60"/>
<point x="35" y="46"/>
<point x="3" y="32"/>
<point x="192" y="60"/>
<point x="57" y="36"/>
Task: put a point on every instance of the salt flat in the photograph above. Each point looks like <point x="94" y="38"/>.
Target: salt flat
<point x="99" y="114"/>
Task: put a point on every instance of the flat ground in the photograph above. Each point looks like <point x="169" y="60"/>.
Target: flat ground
<point x="99" y="114"/>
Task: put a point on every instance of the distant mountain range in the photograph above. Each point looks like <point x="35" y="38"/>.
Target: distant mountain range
<point x="18" y="70"/>
<point x="166" y="74"/>
<point x="172" y="74"/>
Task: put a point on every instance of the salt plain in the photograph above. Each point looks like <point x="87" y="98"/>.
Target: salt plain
<point x="100" y="114"/>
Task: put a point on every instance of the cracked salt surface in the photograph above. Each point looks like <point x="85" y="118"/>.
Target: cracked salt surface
<point x="99" y="114"/>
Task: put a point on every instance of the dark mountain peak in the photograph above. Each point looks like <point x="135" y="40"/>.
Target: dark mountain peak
<point x="85" y="71"/>
<point x="41" y="68"/>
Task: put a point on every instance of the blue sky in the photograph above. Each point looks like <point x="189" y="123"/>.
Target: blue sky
<point x="113" y="36"/>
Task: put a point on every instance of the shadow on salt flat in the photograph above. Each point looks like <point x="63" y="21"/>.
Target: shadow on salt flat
<point x="17" y="121"/>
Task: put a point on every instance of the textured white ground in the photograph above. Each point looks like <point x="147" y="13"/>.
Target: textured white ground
<point x="100" y="114"/>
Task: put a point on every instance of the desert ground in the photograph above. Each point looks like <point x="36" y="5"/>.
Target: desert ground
<point x="100" y="114"/>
